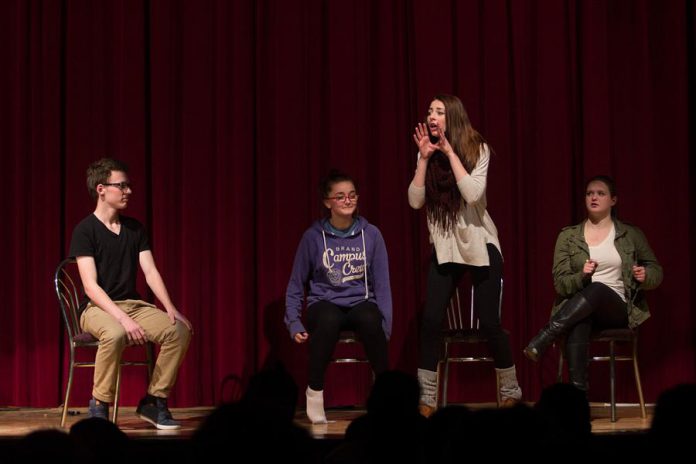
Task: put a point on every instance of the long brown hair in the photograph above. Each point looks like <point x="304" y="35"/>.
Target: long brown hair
<point x="442" y="196"/>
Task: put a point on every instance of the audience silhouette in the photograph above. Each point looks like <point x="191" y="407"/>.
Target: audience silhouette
<point x="392" y="430"/>
<point x="565" y="414"/>
<point x="50" y="445"/>
<point x="99" y="440"/>
<point x="262" y="425"/>
<point x="674" y="422"/>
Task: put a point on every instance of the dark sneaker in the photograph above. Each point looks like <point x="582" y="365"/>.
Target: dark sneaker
<point x="155" y="411"/>
<point x="100" y="410"/>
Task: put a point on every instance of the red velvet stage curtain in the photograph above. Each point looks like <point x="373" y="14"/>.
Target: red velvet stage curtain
<point x="228" y="113"/>
<point x="31" y="234"/>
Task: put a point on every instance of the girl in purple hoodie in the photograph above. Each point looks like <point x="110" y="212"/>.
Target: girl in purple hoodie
<point x="341" y="267"/>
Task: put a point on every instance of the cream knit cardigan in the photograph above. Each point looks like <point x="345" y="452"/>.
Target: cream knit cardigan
<point x="474" y="229"/>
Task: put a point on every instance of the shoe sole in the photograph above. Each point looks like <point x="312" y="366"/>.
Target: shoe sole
<point x="426" y="410"/>
<point x="509" y="403"/>
<point x="159" y="426"/>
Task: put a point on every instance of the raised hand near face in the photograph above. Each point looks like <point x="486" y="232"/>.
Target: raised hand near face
<point x="422" y="138"/>
<point x="443" y="144"/>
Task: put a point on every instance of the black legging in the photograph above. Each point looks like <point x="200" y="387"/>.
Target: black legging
<point x="325" y="321"/>
<point x="608" y="312"/>
<point x="442" y="280"/>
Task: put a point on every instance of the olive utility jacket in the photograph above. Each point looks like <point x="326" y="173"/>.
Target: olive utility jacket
<point x="572" y="251"/>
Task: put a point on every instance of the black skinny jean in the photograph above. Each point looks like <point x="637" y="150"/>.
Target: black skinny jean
<point x="325" y="321"/>
<point x="442" y="280"/>
<point x="607" y="311"/>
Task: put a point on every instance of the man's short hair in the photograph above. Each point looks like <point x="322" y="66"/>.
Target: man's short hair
<point x="100" y="171"/>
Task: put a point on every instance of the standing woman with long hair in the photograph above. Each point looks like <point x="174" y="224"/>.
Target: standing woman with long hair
<point x="450" y="180"/>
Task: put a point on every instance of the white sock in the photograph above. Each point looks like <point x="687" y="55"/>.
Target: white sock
<point x="315" y="406"/>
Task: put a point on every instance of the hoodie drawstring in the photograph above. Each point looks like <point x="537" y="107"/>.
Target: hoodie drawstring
<point x="367" y="293"/>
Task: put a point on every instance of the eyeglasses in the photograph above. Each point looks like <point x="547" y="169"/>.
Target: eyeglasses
<point x="341" y="197"/>
<point x="121" y="185"/>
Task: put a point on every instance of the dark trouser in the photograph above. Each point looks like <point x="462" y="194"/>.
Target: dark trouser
<point x="605" y="310"/>
<point x="442" y="280"/>
<point x="325" y="321"/>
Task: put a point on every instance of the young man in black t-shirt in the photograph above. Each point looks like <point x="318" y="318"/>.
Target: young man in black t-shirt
<point x="108" y="248"/>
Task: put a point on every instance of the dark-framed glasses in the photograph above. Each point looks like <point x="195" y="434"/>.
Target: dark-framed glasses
<point x="121" y="185"/>
<point x="342" y="197"/>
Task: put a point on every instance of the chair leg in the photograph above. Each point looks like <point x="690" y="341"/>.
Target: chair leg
<point x="150" y="353"/>
<point x="612" y="380"/>
<point x="67" y="390"/>
<point x="636" y="372"/>
<point x="117" y="394"/>
<point x="498" y="399"/>
<point x="438" y="384"/>
<point x="445" y="378"/>
<point x="445" y="383"/>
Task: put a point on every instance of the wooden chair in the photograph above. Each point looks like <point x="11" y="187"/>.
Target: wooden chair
<point x="613" y="337"/>
<point x="463" y="329"/>
<point x="68" y="286"/>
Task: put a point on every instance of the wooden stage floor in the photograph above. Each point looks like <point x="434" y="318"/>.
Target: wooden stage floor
<point x="17" y="422"/>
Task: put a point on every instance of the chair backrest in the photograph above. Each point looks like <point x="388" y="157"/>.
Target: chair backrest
<point x="68" y="287"/>
<point x="456" y="317"/>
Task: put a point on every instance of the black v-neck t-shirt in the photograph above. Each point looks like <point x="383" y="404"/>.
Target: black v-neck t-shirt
<point x="116" y="255"/>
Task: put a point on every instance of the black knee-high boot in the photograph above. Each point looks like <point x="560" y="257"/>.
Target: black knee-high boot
<point x="575" y="310"/>
<point x="578" y="360"/>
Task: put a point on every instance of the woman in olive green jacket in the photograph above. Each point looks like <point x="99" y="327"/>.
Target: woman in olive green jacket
<point x="600" y="268"/>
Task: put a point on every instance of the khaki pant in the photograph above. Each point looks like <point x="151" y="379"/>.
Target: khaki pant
<point x="172" y="338"/>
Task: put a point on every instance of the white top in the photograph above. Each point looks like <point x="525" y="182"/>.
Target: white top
<point x="474" y="229"/>
<point x="608" y="269"/>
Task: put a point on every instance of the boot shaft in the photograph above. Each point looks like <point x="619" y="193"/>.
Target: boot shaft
<point x="575" y="310"/>
<point x="578" y="360"/>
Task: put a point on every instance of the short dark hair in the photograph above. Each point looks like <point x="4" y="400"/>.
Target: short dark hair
<point x="99" y="172"/>
<point x="334" y="177"/>
<point x="326" y="184"/>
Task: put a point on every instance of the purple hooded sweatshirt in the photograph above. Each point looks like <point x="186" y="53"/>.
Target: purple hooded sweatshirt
<point x="334" y="268"/>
